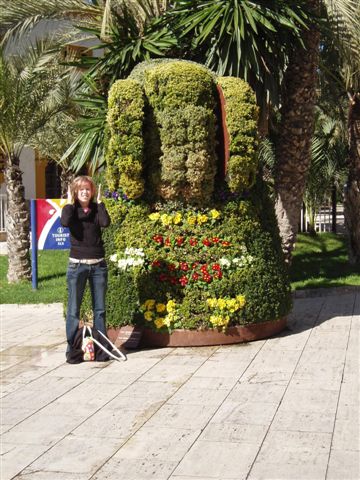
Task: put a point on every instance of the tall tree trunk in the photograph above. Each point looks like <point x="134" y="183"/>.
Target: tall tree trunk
<point x="66" y="177"/>
<point x="296" y="130"/>
<point x="18" y="243"/>
<point x="352" y="192"/>
<point x="333" y="209"/>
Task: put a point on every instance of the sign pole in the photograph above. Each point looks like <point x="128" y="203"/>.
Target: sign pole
<point x="34" y="258"/>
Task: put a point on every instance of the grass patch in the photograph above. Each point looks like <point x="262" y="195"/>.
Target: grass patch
<point x="322" y="261"/>
<point x="52" y="265"/>
<point x="319" y="261"/>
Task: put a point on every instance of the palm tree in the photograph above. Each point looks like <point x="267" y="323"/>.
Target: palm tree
<point x="127" y="31"/>
<point x="298" y="114"/>
<point x="29" y="97"/>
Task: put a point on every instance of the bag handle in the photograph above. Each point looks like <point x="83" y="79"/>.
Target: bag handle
<point x="115" y="357"/>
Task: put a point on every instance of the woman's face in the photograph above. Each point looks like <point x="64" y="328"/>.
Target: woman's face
<point x="84" y="193"/>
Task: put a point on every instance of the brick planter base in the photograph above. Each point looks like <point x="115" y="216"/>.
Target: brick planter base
<point x="198" y="338"/>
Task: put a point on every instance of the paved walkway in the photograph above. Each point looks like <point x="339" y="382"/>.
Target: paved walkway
<point x="283" y="408"/>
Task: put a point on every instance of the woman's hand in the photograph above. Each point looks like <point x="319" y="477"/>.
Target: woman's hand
<point x="99" y="194"/>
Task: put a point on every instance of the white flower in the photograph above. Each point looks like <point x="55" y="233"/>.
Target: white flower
<point x="113" y="258"/>
<point x="122" y="264"/>
<point x="224" y="262"/>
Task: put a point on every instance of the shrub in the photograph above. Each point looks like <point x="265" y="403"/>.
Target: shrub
<point x="241" y="123"/>
<point x="124" y="155"/>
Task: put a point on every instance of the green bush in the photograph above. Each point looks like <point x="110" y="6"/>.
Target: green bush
<point x="175" y="244"/>
<point x="124" y="156"/>
<point x="241" y="122"/>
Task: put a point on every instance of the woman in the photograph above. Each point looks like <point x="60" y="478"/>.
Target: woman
<point x="85" y="218"/>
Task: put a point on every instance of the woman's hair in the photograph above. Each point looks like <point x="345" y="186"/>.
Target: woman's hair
<point x="76" y="184"/>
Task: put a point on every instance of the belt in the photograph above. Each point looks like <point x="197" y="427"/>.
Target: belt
<point x="87" y="261"/>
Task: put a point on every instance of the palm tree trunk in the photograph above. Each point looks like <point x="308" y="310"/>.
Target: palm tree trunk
<point x="18" y="243"/>
<point x="66" y="178"/>
<point x="296" y="130"/>
<point x="352" y="192"/>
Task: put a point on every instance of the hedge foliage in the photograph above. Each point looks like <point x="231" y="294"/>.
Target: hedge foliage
<point x="182" y="98"/>
<point x="125" y="150"/>
<point x="241" y="122"/>
<point x="259" y="276"/>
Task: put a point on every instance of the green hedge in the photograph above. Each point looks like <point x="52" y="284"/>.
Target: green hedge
<point x="125" y="150"/>
<point x="241" y="122"/>
<point x="182" y="98"/>
<point x="262" y="279"/>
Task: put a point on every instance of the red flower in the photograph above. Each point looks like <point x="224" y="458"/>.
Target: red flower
<point x="193" y="242"/>
<point x="216" y="239"/>
<point x="156" y="263"/>
<point x="183" y="281"/>
<point x="167" y="242"/>
<point x="163" y="277"/>
<point x="218" y="275"/>
<point x="184" y="266"/>
<point x="158" y="239"/>
<point x="207" y="278"/>
<point x="171" y="267"/>
<point x="225" y="244"/>
<point x="203" y="268"/>
<point x="194" y="265"/>
<point x="180" y="241"/>
<point x="207" y="242"/>
<point x="216" y="267"/>
<point x="173" y="280"/>
<point x="195" y="276"/>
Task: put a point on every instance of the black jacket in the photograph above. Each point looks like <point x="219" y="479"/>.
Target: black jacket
<point x="85" y="229"/>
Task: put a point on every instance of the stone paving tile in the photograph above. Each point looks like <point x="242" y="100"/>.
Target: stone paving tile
<point x="78" y="455"/>
<point x="191" y="417"/>
<point x="270" y="392"/>
<point x="257" y="413"/>
<point x="160" y="443"/>
<point x="292" y="456"/>
<point x="222" y="459"/>
<point x="343" y="465"/>
<point x="240" y="433"/>
<point x="26" y="475"/>
<point x="228" y="369"/>
<point x="197" y="396"/>
<point x="15" y="457"/>
<point x="211" y="383"/>
<point x="135" y="469"/>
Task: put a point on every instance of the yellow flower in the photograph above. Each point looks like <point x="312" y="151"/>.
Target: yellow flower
<point x="160" y="307"/>
<point x="171" y="305"/>
<point x="149" y="304"/>
<point x="221" y="303"/>
<point x="241" y="300"/>
<point x="214" y="214"/>
<point x="165" y="219"/>
<point x="177" y="218"/>
<point x="167" y="320"/>
<point x="159" y="322"/>
<point x="148" y="316"/>
<point x="202" y="219"/>
<point x="191" y="219"/>
<point x="212" y="302"/>
<point x="154" y="216"/>
<point x="232" y="305"/>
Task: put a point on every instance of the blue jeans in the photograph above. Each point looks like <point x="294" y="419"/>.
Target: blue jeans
<point x="77" y="275"/>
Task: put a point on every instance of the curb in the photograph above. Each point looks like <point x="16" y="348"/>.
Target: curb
<point x="324" y="292"/>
